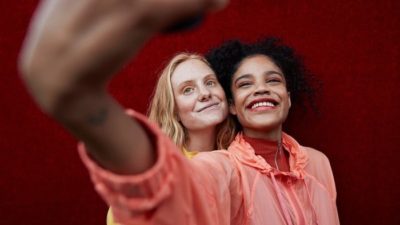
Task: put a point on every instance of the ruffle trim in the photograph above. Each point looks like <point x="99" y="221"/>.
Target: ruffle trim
<point x="298" y="158"/>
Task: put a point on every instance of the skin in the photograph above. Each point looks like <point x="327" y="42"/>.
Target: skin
<point x="72" y="51"/>
<point x="201" y="103"/>
<point x="259" y="79"/>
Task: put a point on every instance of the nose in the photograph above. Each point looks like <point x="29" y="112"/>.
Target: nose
<point x="262" y="89"/>
<point x="204" y="94"/>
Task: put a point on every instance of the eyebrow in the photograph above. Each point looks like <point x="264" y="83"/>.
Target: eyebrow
<point x="186" y="82"/>
<point x="244" y="76"/>
<point x="268" y="73"/>
<point x="210" y="75"/>
<point x="271" y="72"/>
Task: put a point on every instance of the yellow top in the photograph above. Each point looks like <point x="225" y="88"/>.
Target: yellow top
<point x="188" y="154"/>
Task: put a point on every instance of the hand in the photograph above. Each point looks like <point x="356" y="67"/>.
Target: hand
<point x="79" y="44"/>
<point x="74" y="47"/>
<point x="181" y="9"/>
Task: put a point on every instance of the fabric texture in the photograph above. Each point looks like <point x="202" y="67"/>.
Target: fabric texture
<point x="110" y="218"/>
<point x="220" y="187"/>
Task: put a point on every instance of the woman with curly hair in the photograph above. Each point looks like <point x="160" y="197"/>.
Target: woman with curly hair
<point x="261" y="81"/>
<point x="70" y="54"/>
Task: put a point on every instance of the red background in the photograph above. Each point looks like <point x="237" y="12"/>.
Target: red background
<point x="352" y="46"/>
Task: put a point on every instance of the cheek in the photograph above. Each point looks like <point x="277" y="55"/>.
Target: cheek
<point x="220" y="93"/>
<point x="237" y="106"/>
<point x="287" y="103"/>
<point x="184" y="105"/>
<point x="240" y="100"/>
<point x="238" y="96"/>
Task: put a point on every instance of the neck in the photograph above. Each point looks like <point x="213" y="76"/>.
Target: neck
<point x="202" y="140"/>
<point x="267" y="144"/>
<point x="271" y="135"/>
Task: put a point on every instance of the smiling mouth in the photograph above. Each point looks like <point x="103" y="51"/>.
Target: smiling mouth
<point x="269" y="103"/>
<point x="208" y="107"/>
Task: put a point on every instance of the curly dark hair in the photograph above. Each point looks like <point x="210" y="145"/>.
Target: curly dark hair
<point x="226" y="59"/>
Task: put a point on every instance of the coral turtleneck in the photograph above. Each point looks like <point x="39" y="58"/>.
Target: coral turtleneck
<point x="268" y="149"/>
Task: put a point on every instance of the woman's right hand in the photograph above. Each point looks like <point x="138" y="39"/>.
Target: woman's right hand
<point x="72" y="50"/>
<point x="82" y="43"/>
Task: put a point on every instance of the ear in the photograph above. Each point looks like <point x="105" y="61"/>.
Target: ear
<point x="290" y="101"/>
<point x="232" y="108"/>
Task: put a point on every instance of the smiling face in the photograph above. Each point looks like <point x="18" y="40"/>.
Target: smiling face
<point x="261" y="101"/>
<point x="200" y="100"/>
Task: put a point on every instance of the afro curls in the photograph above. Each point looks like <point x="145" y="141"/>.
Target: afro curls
<point x="226" y="59"/>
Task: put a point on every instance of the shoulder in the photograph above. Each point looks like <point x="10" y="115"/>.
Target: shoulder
<point x="318" y="164"/>
<point x="319" y="169"/>
<point x="217" y="158"/>
<point x="314" y="155"/>
<point x="310" y="156"/>
<point x="215" y="162"/>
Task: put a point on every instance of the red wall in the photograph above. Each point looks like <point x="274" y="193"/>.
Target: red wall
<point x="350" y="45"/>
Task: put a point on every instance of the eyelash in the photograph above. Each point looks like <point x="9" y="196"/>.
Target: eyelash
<point x="210" y="83"/>
<point x="243" y="84"/>
<point x="274" y="80"/>
<point x="187" y="90"/>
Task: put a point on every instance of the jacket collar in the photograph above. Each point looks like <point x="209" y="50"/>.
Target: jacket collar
<point x="298" y="159"/>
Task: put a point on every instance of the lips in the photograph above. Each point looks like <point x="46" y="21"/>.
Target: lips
<point x="264" y="102"/>
<point x="208" y="106"/>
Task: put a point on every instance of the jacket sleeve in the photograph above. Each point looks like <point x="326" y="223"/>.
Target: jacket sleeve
<point x="324" y="191"/>
<point x="327" y="179"/>
<point x="173" y="191"/>
<point x="320" y="168"/>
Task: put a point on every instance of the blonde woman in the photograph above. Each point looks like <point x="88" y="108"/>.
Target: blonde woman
<point x="188" y="80"/>
<point x="170" y="97"/>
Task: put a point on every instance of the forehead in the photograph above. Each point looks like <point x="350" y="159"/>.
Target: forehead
<point x="257" y="64"/>
<point x="192" y="69"/>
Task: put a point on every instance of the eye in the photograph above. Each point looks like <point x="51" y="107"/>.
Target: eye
<point x="188" y="90"/>
<point x="274" y="80"/>
<point x="244" y="84"/>
<point x="211" y="83"/>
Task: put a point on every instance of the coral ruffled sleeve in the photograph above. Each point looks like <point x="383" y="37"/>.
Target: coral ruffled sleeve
<point x="174" y="191"/>
<point x="132" y="195"/>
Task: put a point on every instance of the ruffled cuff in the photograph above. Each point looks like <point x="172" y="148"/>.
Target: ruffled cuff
<point x="133" y="195"/>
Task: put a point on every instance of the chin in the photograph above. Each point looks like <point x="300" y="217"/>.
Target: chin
<point x="204" y="121"/>
<point x="214" y="120"/>
<point x="202" y="125"/>
<point x="265" y="124"/>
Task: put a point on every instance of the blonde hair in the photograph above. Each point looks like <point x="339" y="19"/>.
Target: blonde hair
<point x="163" y="110"/>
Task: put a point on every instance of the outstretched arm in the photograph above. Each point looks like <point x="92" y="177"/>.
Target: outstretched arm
<point x="71" y="52"/>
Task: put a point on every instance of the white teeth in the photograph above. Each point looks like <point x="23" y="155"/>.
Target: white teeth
<point x="260" y="104"/>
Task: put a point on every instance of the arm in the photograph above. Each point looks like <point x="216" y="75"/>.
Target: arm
<point x="174" y="190"/>
<point x="71" y="52"/>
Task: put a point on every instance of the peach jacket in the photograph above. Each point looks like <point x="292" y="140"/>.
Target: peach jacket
<point x="220" y="187"/>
